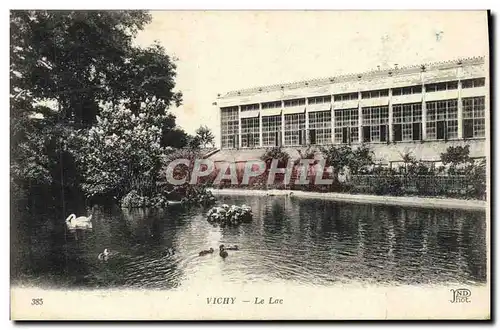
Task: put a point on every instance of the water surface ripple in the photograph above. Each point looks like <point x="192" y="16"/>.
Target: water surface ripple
<point x="313" y="242"/>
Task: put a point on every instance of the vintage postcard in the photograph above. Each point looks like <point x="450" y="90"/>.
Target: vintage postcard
<point x="249" y="165"/>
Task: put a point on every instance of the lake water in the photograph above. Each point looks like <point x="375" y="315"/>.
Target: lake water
<point x="303" y="241"/>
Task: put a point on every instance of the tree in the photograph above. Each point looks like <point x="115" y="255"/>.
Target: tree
<point x="74" y="58"/>
<point x="69" y="68"/>
<point x="205" y="136"/>
<point x="344" y="156"/>
<point x="361" y="158"/>
<point x="337" y="158"/>
<point x="78" y="59"/>
<point x="173" y="136"/>
<point x="121" y="152"/>
<point x="476" y="177"/>
<point x="457" y="157"/>
<point x="194" y="142"/>
<point x="459" y="161"/>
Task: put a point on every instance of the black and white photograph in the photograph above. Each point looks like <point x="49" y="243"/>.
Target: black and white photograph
<point x="249" y="165"/>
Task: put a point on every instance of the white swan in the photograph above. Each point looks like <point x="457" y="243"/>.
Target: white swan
<point x="79" y="223"/>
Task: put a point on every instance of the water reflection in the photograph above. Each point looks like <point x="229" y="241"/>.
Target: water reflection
<point x="307" y="241"/>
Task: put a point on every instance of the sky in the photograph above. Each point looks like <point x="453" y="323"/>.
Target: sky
<point x="220" y="51"/>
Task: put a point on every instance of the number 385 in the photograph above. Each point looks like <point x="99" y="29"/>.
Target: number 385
<point x="37" y="301"/>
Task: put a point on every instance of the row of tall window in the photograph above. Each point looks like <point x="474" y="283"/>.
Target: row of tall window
<point x="407" y="90"/>
<point x="473" y="109"/>
<point x="320" y="124"/>
<point x="320" y="130"/>
<point x="441" y="121"/>
<point x="294" y="103"/>
<point x="250" y="107"/>
<point x="407" y="124"/>
<point x="346" y="125"/>
<point x="375" y="94"/>
<point x="374" y="124"/>
<point x="407" y="121"/>
<point x="229" y="127"/>
<point x="271" y="131"/>
<point x="250" y="132"/>
<point x="295" y="125"/>
<point x="417" y="89"/>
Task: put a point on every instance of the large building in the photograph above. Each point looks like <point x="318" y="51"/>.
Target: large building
<point x="422" y="108"/>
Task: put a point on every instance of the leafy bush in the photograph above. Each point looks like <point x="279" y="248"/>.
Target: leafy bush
<point x="477" y="178"/>
<point x="275" y="153"/>
<point x="199" y="196"/>
<point x="341" y="157"/>
<point x="361" y="159"/>
<point x="158" y="201"/>
<point x="456" y="155"/>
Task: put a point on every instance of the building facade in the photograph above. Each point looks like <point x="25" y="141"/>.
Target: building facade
<point x="422" y="108"/>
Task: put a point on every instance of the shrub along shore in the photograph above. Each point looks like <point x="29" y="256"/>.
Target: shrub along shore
<point x="355" y="176"/>
<point x="356" y="172"/>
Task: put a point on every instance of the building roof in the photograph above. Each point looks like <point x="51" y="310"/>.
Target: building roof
<point x="355" y="76"/>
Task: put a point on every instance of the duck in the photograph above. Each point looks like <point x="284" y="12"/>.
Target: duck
<point x="72" y="222"/>
<point x="170" y="251"/>
<point x="104" y="256"/>
<point x="205" y="252"/>
<point x="223" y="253"/>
